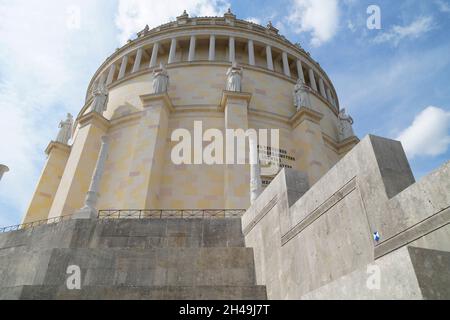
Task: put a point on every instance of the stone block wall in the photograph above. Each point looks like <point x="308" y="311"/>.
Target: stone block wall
<point x="305" y="239"/>
<point x="130" y="259"/>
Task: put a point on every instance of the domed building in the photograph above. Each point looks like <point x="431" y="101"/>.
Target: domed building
<point x="282" y="87"/>
<point x="339" y="218"/>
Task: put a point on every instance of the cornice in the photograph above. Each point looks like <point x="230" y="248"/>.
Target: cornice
<point x="96" y="119"/>
<point x="340" y="147"/>
<point x="54" y="145"/>
<point x="149" y="100"/>
<point x="305" y="114"/>
<point x="231" y="95"/>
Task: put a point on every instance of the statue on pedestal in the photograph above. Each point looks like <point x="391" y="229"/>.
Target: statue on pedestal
<point x="100" y="99"/>
<point x="345" y="125"/>
<point x="160" y="80"/>
<point x="234" y="80"/>
<point x="301" y="95"/>
<point x="65" y="132"/>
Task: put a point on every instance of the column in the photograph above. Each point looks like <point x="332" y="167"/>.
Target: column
<point x="173" y="51"/>
<point x="102" y="79"/>
<point x="192" y="50"/>
<point x="80" y="166"/>
<point x="89" y="211"/>
<point x="123" y="67"/>
<point x="255" y="170"/>
<point x="232" y="49"/>
<point x="112" y="71"/>
<point x="251" y="53"/>
<point x="287" y="71"/>
<point x="312" y="79"/>
<point x="148" y="155"/>
<point x="307" y="139"/>
<point x="329" y="96"/>
<point x="322" y="88"/>
<point x="42" y="200"/>
<point x="301" y="76"/>
<point x="212" y="48"/>
<point x="3" y="170"/>
<point x="154" y="57"/>
<point x="269" y="58"/>
<point x="137" y="61"/>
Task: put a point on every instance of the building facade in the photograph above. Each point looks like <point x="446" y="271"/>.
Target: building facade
<point x="196" y="53"/>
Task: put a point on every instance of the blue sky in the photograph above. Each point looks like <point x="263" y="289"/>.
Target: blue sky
<point x="394" y="81"/>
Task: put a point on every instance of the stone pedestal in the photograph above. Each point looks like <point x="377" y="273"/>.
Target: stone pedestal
<point x="308" y="141"/>
<point x="236" y="176"/>
<point x="80" y="165"/>
<point x="85" y="213"/>
<point x="48" y="184"/>
<point x="143" y="185"/>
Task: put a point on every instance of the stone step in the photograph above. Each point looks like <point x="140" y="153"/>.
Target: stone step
<point x="129" y="233"/>
<point x="135" y="293"/>
<point x="147" y="267"/>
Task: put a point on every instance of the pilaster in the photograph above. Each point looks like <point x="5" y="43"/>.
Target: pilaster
<point x="143" y="185"/>
<point x="48" y="184"/>
<point x="308" y="141"/>
<point x="80" y="165"/>
<point x="236" y="176"/>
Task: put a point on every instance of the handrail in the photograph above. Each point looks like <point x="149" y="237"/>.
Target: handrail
<point x="139" y="214"/>
<point x="171" y="213"/>
<point x="31" y="225"/>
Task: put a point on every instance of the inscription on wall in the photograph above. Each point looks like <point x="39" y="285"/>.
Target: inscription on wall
<point x="269" y="156"/>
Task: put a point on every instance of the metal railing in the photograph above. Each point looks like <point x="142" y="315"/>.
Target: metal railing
<point x="31" y="225"/>
<point x="170" y="214"/>
<point x="138" y="214"/>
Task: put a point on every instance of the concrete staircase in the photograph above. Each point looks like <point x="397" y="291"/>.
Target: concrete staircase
<point x="130" y="259"/>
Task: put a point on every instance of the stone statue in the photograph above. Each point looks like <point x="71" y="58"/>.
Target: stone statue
<point x="101" y="97"/>
<point x="65" y="132"/>
<point x="301" y="95"/>
<point x="234" y="80"/>
<point x="160" y="80"/>
<point x="345" y="125"/>
<point x="3" y="170"/>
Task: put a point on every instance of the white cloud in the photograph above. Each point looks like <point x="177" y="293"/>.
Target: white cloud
<point x="319" y="17"/>
<point x="133" y="15"/>
<point x="428" y="135"/>
<point x="443" y="6"/>
<point x="46" y="61"/>
<point x="254" y="20"/>
<point x="414" y="30"/>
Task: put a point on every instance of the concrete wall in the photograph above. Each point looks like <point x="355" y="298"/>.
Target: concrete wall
<point x="306" y="239"/>
<point x="130" y="259"/>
